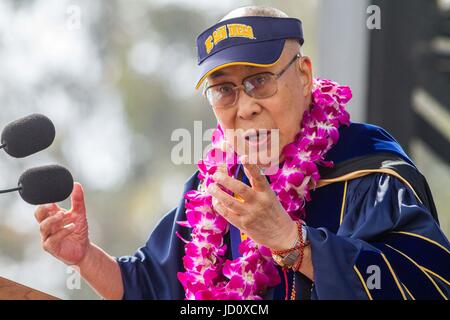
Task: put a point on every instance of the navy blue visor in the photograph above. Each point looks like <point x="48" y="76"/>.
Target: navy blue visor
<point x="252" y="41"/>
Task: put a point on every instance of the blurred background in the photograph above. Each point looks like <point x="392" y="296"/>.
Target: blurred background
<point x="117" y="78"/>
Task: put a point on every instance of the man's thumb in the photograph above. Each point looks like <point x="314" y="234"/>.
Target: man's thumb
<point x="78" y="199"/>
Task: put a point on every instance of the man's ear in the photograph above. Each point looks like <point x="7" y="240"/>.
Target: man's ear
<point x="304" y="67"/>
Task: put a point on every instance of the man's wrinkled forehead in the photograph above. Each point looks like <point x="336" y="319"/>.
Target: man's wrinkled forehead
<point x="290" y="48"/>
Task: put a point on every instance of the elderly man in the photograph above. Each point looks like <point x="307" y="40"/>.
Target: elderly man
<point x="336" y="211"/>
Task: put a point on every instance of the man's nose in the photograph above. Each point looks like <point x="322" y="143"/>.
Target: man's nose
<point x="248" y="107"/>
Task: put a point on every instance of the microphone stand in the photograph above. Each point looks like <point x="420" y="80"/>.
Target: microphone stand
<point x="10" y="190"/>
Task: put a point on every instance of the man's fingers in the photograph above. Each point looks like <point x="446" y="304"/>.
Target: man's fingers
<point x="227" y="200"/>
<point x="236" y="186"/>
<point x="257" y="179"/>
<point x="229" y="215"/>
<point x="77" y="198"/>
<point x="45" y="210"/>
<point x="53" y="223"/>
<point x="219" y="207"/>
<point x="51" y="243"/>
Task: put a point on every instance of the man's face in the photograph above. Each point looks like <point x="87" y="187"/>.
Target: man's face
<point x="245" y="120"/>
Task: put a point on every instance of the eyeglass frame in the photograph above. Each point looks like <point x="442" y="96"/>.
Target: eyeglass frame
<point x="242" y="86"/>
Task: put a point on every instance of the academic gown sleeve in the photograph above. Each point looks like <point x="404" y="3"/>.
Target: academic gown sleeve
<point x="151" y="273"/>
<point x="388" y="246"/>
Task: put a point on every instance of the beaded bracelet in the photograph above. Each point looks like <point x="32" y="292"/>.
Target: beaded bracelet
<point x="296" y="247"/>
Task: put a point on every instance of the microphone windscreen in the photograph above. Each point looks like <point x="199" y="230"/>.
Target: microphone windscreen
<point x="46" y="184"/>
<point x="28" y="135"/>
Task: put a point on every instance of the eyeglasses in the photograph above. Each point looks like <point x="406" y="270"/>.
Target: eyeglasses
<point x="259" y="86"/>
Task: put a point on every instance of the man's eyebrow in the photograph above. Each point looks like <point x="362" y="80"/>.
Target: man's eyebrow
<point x="220" y="73"/>
<point x="217" y="74"/>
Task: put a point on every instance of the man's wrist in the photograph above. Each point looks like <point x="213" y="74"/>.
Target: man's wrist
<point x="287" y="239"/>
<point x="293" y="256"/>
<point x="86" y="260"/>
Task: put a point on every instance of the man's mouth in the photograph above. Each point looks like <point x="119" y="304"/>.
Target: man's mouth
<point x="257" y="137"/>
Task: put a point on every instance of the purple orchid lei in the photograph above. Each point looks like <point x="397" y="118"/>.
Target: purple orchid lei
<point x="209" y="275"/>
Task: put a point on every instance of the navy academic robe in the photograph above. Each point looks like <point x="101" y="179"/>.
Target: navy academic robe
<point x="371" y="237"/>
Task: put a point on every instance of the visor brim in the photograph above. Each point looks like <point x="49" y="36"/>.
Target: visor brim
<point x="259" y="54"/>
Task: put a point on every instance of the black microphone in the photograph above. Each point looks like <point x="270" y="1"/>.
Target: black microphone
<point x="27" y="135"/>
<point x="46" y="184"/>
